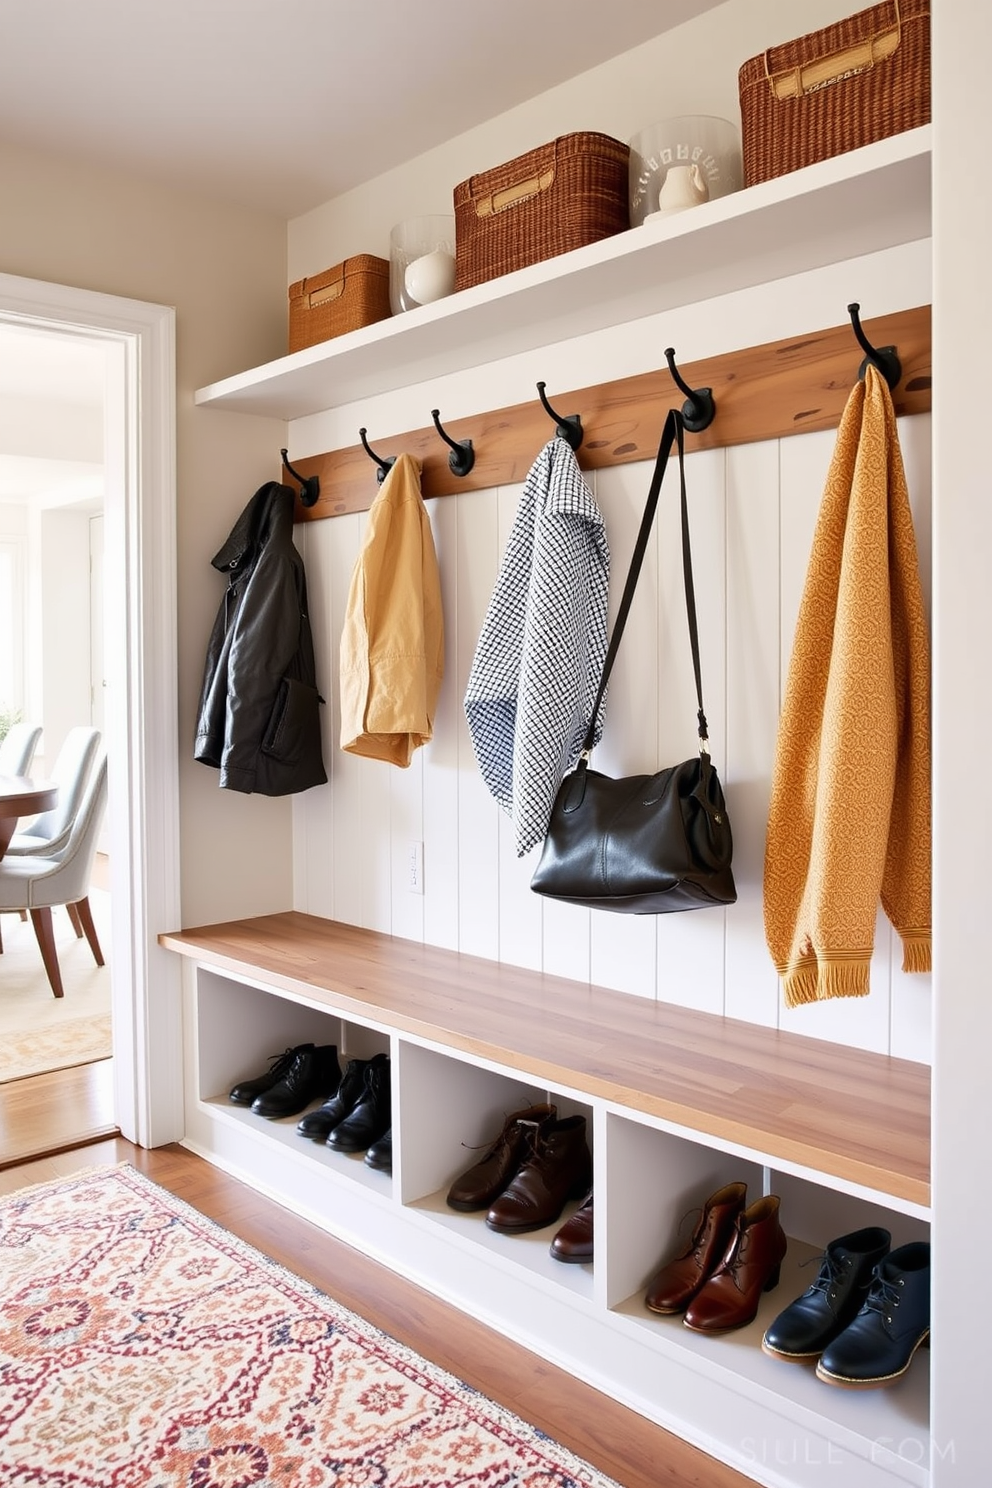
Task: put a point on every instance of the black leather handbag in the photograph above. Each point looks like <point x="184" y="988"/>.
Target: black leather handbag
<point x="644" y="844"/>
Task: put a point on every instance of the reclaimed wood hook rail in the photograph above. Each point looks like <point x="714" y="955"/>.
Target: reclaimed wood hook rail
<point x="785" y="387"/>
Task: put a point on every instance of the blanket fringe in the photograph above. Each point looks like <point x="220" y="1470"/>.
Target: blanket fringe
<point x="818" y="981"/>
<point x="801" y="984"/>
<point x="916" y="951"/>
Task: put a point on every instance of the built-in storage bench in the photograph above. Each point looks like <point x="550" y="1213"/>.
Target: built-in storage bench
<point x="677" y="1102"/>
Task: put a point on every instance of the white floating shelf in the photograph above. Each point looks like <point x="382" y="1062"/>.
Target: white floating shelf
<point x="867" y="200"/>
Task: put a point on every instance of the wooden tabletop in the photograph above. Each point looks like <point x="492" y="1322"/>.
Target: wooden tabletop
<point x="22" y="796"/>
<point x="848" y="1113"/>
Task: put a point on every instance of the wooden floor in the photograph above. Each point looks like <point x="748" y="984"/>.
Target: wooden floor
<point x="614" y="1439"/>
<point x="48" y="1113"/>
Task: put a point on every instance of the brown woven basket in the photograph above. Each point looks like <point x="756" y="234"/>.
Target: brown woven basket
<point x="352" y="294"/>
<point x="560" y="196"/>
<point x="856" y="81"/>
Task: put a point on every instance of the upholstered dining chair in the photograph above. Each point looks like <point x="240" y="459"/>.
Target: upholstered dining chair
<point x="17" y="748"/>
<point x="39" y="882"/>
<point x="49" y="832"/>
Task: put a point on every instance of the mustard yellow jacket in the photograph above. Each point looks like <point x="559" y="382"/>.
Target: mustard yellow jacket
<point x="392" y="645"/>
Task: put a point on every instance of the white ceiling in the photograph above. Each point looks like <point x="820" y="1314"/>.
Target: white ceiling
<point x="283" y="104"/>
<point x="277" y="104"/>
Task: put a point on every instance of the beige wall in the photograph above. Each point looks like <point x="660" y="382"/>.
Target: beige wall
<point x="690" y="70"/>
<point x="224" y="270"/>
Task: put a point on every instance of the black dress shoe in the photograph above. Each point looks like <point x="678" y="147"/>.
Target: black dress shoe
<point x="371" y="1118"/>
<point x="879" y="1345"/>
<point x="380" y="1154"/>
<point x="342" y="1101"/>
<point x="313" y="1071"/>
<point x="835" y="1298"/>
<point x="246" y="1090"/>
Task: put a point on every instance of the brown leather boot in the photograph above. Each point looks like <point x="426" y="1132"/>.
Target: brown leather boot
<point x="573" y="1241"/>
<point x="484" y="1180"/>
<point x="675" y="1285"/>
<point x="559" y="1168"/>
<point x="730" y="1297"/>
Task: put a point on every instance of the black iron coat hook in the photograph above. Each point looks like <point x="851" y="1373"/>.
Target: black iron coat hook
<point x="882" y="357"/>
<point x="699" y="409"/>
<point x="309" y="484"/>
<point x="462" y="456"/>
<point x="385" y="465"/>
<point x="568" y="426"/>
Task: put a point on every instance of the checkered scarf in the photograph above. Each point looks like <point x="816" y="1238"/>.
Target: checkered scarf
<point x="541" y="649"/>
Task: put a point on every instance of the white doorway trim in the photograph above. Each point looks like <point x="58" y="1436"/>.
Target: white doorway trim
<point x="142" y="722"/>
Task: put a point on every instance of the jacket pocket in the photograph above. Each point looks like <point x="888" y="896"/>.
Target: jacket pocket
<point x="294" y="725"/>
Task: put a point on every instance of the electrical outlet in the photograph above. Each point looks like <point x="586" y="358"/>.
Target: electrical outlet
<point x="415" y="868"/>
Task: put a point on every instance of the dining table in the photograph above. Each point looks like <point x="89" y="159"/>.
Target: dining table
<point x="21" y="796"/>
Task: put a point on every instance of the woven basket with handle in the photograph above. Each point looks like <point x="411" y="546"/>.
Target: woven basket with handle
<point x="351" y="294"/>
<point x="849" y="84"/>
<point x="560" y="196"/>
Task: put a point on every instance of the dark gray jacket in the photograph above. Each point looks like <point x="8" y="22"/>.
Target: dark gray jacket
<point x="258" y="720"/>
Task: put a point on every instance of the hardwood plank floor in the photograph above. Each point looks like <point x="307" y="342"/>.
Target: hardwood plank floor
<point x="616" y="1440"/>
<point x="61" y="1109"/>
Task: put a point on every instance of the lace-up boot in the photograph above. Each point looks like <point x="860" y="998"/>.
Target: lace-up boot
<point x="834" y="1299"/>
<point x="878" y="1346"/>
<point x="678" y="1281"/>
<point x="752" y="1265"/>
<point x="380" y="1154"/>
<point x="485" y="1180"/>
<point x="313" y="1071"/>
<point x="574" y="1241"/>
<point x="371" y="1117"/>
<point x="246" y="1090"/>
<point x="340" y="1103"/>
<point x="558" y="1168"/>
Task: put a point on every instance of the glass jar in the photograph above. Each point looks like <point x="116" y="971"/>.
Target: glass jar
<point x="682" y="162"/>
<point x="421" y="262"/>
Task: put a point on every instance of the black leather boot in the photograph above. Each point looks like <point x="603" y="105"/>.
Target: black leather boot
<point x="246" y="1090"/>
<point x="878" y="1346"/>
<point x="319" y="1124"/>
<point x="313" y="1072"/>
<point x="380" y="1154"/>
<point x="371" y="1118"/>
<point x="806" y="1326"/>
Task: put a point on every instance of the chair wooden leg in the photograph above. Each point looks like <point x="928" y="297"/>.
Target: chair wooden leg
<point x="1" y="942"/>
<point x="82" y="908"/>
<point x="42" y="921"/>
<point x="73" y="914"/>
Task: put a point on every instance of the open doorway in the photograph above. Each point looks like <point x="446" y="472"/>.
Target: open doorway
<point x="53" y="389"/>
<point x="140" y="702"/>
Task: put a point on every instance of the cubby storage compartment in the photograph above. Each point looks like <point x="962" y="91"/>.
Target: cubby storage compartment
<point x="464" y="1055"/>
<point x="656" y="1185"/>
<point x="240" y="1029"/>
<point x="449" y="1114"/>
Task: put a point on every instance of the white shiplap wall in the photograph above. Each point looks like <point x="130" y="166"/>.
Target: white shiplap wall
<point x="752" y="512"/>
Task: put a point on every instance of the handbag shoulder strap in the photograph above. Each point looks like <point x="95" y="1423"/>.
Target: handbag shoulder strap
<point x="672" y="434"/>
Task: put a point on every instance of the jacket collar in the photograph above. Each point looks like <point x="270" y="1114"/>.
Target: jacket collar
<point x="269" y="513"/>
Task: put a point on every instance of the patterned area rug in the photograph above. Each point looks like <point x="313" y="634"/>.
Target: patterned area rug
<point x="141" y="1344"/>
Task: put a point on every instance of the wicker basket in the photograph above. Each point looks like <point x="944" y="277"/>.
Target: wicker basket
<point x="352" y="294"/>
<point x="560" y="196"/>
<point x="854" y="82"/>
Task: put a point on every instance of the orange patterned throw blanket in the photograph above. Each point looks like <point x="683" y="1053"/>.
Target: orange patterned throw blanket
<point x="849" y="819"/>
